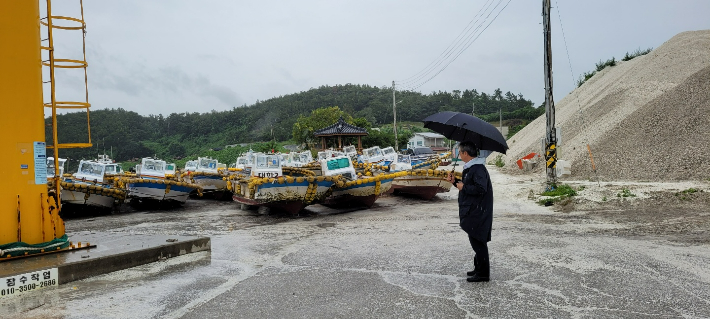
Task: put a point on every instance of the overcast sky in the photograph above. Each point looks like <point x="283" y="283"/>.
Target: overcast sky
<point x="175" y="56"/>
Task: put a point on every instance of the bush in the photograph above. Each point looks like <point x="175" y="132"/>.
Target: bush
<point x="625" y="193"/>
<point x="601" y="65"/>
<point x="499" y="161"/>
<point x="636" y="53"/>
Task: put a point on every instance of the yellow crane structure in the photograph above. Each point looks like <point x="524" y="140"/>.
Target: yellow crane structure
<point x="29" y="207"/>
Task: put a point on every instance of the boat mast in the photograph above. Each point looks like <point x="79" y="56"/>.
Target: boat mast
<point x="394" y="112"/>
<point x="550" y="137"/>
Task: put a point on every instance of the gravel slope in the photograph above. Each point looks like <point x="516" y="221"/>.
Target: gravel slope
<point x="644" y="119"/>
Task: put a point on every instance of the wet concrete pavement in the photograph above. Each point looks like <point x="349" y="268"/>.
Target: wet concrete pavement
<point x="404" y="258"/>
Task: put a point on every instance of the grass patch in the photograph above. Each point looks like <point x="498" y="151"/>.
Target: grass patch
<point x="562" y="190"/>
<point x="560" y="193"/>
<point x="625" y="193"/>
<point x="683" y="195"/>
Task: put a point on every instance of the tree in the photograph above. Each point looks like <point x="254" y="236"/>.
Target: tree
<point x="304" y="127"/>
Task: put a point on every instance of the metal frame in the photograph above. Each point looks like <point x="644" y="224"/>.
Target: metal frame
<point x="53" y="63"/>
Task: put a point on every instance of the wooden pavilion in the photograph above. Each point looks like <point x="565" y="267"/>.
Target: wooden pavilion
<point x="340" y="129"/>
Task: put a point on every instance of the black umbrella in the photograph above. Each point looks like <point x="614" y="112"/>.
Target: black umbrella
<point x="463" y="127"/>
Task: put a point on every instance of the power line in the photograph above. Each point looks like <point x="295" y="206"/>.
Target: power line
<point x="461" y="51"/>
<point x="451" y="46"/>
<point x="419" y="80"/>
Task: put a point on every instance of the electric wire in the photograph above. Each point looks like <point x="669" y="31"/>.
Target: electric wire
<point x="471" y="38"/>
<point x="464" y="49"/>
<point x="453" y="44"/>
<point x="456" y="46"/>
<point x="569" y="61"/>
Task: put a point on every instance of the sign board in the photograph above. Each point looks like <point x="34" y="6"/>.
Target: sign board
<point x="40" y="152"/>
<point x="19" y="284"/>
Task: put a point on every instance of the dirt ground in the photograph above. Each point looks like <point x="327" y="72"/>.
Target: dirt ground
<point x="676" y="211"/>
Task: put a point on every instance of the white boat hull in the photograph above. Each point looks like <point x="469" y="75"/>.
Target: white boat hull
<point x="79" y="198"/>
<point x="158" y="192"/>
<point x="210" y="183"/>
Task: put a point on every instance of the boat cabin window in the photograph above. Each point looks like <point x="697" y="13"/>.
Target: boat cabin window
<point x="269" y="161"/>
<point x="241" y="161"/>
<point x="170" y="167"/>
<point x="388" y="150"/>
<point x="111" y="169"/>
<point x="338" y="163"/>
<point x="305" y="158"/>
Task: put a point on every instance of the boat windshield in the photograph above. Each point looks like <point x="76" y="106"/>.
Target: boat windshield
<point x="305" y="158"/>
<point x="267" y="161"/>
<point x="388" y="150"/>
<point x="338" y="163"/>
<point x="404" y="159"/>
<point x="372" y="152"/>
<point x="170" y="167"/>
<point x="208" y="163"/>
<point x="153" y="166"/>
<point x="241" y="161"/>
<point x="87" y="168"/>
<point x="190" y="165"/>
<point x="350" y="150"/>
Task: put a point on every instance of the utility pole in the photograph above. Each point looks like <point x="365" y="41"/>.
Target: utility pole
<point x="394" y="111"/>
<point x="473" y="108"/>
<point x="550" y="137"/>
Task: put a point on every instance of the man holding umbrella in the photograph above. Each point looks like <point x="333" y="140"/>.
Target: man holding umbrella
<point x="475" y="209"/>
<point x="475" y="189"/>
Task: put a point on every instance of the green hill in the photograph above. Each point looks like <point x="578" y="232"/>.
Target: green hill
<point x="131" y="135"/>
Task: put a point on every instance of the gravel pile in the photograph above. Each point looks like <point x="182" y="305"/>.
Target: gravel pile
<point x="647" y="119"/>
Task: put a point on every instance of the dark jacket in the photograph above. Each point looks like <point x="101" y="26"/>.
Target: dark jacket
<point x="476" y="203"/>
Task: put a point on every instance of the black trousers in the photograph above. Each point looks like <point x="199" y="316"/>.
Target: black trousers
<point x="479" y="247"/>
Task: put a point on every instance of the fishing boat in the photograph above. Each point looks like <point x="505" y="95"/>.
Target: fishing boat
<point x="388" y="155"/>
<point x="152" y="185"/>
<point x="424" y="183"/>
<point x="353" y="190"/>
<point x="266" y="185"/>
<point x="207" y="175"/>
<point x="90" y="186"/>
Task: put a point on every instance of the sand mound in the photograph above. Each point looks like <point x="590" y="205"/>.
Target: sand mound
<point x="644" y="119"/>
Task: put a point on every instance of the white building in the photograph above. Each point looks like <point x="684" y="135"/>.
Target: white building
<point x="427" y="139"/>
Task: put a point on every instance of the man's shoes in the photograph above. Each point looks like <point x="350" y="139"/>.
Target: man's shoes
<point x="477" y="278"/>
<point x="475" y="267"/>
<point x="482" y="271"/>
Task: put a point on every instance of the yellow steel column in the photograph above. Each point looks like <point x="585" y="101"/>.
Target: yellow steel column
<point x="23" y="194"/>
